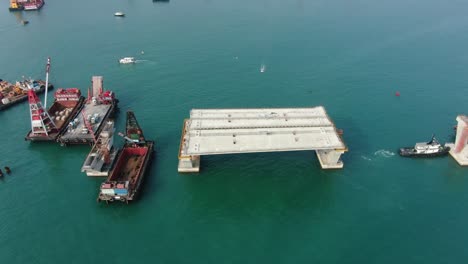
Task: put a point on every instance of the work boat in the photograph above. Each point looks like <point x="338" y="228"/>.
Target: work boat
<point x="127" y="60"/>
<point x="430" y="149"/>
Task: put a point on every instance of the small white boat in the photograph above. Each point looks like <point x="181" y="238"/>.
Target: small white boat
<point x="119" y="14"/>
<point x="262" y="68"/>
<point x="127" y="60"/>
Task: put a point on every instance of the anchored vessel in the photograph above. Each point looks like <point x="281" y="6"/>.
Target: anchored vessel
<point x="430" y="149"/>
<point x="33" y="5"/>
<point x="13" y="94"/>
<point x="48" y="125"/>
<point x="126" y="177"/>
<point x="99" y="106"/>
<point x="101" y="158"/>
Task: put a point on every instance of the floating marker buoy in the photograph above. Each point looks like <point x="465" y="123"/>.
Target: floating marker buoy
<point x="142" y="52"/>
<point x="397" y="93"/>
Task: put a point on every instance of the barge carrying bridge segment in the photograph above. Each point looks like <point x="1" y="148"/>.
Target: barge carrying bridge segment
<point x="232" y="131"/>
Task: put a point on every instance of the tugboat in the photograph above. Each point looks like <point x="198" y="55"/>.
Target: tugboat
<point x="430" y="149"/>
<point x="126" y="177"/>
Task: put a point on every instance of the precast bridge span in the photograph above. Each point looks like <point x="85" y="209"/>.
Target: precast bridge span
<point x="231" y="131"/>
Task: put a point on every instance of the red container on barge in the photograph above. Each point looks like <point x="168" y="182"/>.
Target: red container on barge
<point x="126" y="177"/>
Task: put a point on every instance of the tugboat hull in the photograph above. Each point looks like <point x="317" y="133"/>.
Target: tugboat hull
<point x="410" y="152"/>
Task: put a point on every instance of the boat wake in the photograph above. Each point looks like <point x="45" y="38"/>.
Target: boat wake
<point x="384" y="153"/>
<point x="366" y="158"/>
<point x="141" y="61"/>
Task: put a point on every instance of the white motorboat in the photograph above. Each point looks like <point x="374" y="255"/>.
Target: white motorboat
<point x="127" y="60"/>
<point x="119" y="14"/>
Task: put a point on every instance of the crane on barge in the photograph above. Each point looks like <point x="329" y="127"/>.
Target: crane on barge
<point x="41" y="122"/>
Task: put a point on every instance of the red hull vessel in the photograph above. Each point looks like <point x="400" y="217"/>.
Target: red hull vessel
<point x="126" y="177"/>
<point x="33" y="5"/>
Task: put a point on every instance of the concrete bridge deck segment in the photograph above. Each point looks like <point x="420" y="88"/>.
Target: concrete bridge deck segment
<point x="228" y="131"/>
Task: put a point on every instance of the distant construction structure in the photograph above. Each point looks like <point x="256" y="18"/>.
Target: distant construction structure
<point x="459" y="149"/>
<point x="232" y="131"/>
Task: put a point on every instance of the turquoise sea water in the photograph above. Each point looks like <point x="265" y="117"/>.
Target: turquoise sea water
<point x="349" y="56"/>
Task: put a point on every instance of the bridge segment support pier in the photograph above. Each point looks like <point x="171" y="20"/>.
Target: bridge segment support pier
<point x="459" y="149"/>
<point x="189" y="164"/>
<point x="330" y="158"/>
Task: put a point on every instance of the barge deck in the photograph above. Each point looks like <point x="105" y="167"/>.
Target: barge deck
<point x="126" y="177"/>
<point x="92" y="117"/>
<point x="47" y="126"/>
<point x="102" y="156"/>
<point x="11" y="94"/>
